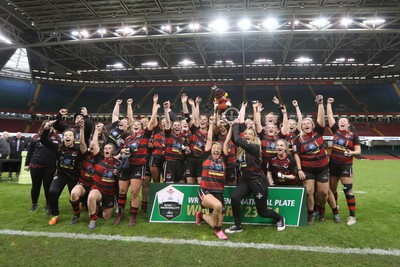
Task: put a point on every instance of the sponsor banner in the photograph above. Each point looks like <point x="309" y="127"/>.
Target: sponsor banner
<point x="175" y="203"/>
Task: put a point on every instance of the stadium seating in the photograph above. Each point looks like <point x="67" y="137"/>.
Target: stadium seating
<point x="16" y="95"/>
<point x="380" y="152"/>
<point x="51" y="98"/>
<point x="343" y="100"/>
<point x="95" y="99"/>
<point x="12" y="125"/>
<point x="364" y="129"/>
<point x="388" y="129"/>
<point x="302" y="94"/>
<point x="262" y="93"/>
<point x="235" y="93"/>
<point x="377" y="97"/>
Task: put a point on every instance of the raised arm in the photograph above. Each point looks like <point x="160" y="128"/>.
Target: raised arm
<point x="58" y="123"/>
<point x="298" y="113"/>
<point x="129" y="111"/>
<point x="44" y="137"/>
<point x="210" y="134"/>
<point x="228" y="138"/>
<point x="285" y="123"/>
<point x="197" y="109"/>
<point x="95" y="140"/>
<point x="257" y="109"/>
<point x="82" y="142"/>
<point x="195" y="116"/>
<point x="166" y="115"/>
<point x="329" y="112"/>
<point x="153" y="119"/>
<point x="115" y="114"/>
<point x="321" y="111"/>
<point x="185" y="109"/>
<point x="279" y="106"/>
<point x="184" y="99"/>
<point x="88" y="124"/>
<point x="242" y="112"/>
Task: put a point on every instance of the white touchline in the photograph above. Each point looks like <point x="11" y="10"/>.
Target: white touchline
<point x="143" y="239"/>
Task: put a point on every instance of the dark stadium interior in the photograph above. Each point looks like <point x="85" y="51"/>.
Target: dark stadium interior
<point x="63" y="40"/>
<point x="73" y="64"/>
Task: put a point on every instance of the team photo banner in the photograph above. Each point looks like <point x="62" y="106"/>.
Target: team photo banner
<point x="175" y="203"/>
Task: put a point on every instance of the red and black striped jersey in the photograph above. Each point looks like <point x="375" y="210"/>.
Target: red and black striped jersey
<point x="87" y="170"/>
<point x="197" y="142"/>
<point x="311" y="149"/>
<point x="158" y="143"/>
<point x="137" y="145"/>
<point x="174" y="146"/>
<point x="291" y="138"/>
<point x="268" y="145"/>
<point x="342" y="141"/>
<point x="105" y="176"/>
<point x="213" y="175"/>
<point x="286" y="166"/>
<point x="231" y="157"/>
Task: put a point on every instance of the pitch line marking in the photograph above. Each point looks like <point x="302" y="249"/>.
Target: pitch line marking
<point x="143" y="239"/>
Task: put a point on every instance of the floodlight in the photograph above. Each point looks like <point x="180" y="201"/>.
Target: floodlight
<point x="262" y="61"/>
<point x="102" y="31"/>
<point x="115" y="66"/>
<point x="125" y="30"/>
<point x="244" y="24"/>
<point x="320" y="22"/>
<point x="219" y="25"/>
<point x="166" y="27"/>
<point x="150" y="64"/>
<point x="346" y="21"/>
<point x="186" y="62"/>
<point x="270" y="24"/>
<point x="194" y="26"/>
<point x="376" y="21"/>
<point x="303" y="60"/>
<point x="84" y="33"/>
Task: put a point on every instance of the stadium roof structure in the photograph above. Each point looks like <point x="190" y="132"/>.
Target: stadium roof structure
<point x="139" y="41"/>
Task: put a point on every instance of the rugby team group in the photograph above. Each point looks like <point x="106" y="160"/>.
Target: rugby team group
<point x="101" y="163"/>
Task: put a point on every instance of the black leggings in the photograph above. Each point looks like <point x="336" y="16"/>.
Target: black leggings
<point x="56" y="188"/>
<point x="260" y="189"/>
<point x="38" y="176"/>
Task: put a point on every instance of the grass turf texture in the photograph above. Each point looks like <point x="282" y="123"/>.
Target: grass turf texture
<point x="377" y="223"/>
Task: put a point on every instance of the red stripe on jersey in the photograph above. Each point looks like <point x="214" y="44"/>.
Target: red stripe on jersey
<point x="104" y="178"/>
<point x="311" y="149"/>
<point x="159" y="145"/>
<point x="213" y="175"/>
<point x="137" y="145"/>
<point x="343" y="141"/>
<point x="87" y="170"/>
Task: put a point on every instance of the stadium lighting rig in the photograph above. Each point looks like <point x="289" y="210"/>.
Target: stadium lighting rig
<point x="241" y="25"/>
